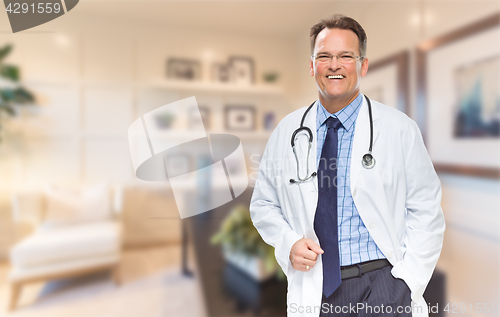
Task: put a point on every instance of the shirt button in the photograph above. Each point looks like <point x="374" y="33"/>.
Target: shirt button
<point x="354" y="192"/>
<point x="390" y="254"/>
<point x="371" y="225"/>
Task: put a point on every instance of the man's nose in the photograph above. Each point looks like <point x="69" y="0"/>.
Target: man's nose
<point x="334" y="63"/>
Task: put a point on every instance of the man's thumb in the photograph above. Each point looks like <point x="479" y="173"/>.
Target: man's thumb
<point x="314" y="246"/>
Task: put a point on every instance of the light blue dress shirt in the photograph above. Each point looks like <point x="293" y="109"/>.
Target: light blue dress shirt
<point x="355" y="243"/>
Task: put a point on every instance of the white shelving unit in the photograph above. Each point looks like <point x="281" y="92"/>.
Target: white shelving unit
<point x="211" y="87"/>
<point x="221" y="91"/>
<point x="171" y="85"/>
<point x="79" y="131"/>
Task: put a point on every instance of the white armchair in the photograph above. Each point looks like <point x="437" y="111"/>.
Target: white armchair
<point x="77" y="232"/>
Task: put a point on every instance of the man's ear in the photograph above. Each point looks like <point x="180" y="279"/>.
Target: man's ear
<point x="311" y="67"/>
<point x="364" y="67"/>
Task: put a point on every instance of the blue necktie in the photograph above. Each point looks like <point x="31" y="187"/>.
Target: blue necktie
<point x="325" y="219"/>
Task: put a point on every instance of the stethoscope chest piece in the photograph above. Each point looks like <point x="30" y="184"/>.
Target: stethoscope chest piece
<point x="368" y="161"/>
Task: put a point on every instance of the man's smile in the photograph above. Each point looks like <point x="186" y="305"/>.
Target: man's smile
<point x="335" y="77"/>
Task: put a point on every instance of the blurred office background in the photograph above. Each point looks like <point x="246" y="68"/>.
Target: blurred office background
<point x="104" y="64"/>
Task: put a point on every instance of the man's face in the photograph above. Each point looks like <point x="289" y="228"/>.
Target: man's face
<point x="336" y="42"/>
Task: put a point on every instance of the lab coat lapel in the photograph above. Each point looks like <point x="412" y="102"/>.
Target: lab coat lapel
<point x="309" y="189"/>
<point x="310" y="122"/>
<point x="361" y="141"/>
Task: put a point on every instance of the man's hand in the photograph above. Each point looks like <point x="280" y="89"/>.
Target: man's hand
<point x="304" y="253"/>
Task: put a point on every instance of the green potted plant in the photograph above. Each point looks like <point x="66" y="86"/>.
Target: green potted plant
<point x="11" y="91"/>
<point x="244" y="248"/>
<point x="270" y="77"/>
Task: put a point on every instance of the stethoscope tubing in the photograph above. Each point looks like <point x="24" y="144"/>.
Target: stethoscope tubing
<point x="367" y="161"/>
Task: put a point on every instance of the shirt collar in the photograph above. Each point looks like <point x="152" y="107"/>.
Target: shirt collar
<point x="347" y="115"/>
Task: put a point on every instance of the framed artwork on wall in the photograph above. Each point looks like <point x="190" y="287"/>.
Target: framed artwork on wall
<point x="239" y="118"/>
<point x="387" y="81"/>
<point x="458" y="99"/>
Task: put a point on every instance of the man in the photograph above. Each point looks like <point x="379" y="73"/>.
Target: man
<point x="354" y="239"/>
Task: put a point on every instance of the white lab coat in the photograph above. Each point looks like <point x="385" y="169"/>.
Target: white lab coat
<point x="398" y="201"/>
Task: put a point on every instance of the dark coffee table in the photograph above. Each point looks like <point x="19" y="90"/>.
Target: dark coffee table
<point x="229" y="292"/>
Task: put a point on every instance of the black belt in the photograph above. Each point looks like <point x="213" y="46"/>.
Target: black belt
<point x="359" y="269"/>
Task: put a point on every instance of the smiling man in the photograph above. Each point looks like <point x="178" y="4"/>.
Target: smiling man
<point x="337" y="76"/>
<point x="356" y="236"/>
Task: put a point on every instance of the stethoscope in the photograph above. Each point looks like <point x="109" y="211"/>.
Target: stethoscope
<point x="368" y="161"/>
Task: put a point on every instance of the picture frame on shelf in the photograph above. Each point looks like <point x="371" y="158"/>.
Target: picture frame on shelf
<point x="449" y="98"/>
<point x="387" y="81"/>
<point x="205" y="116"/>
<point x="183" y="69"/>
<point x="242" y="70"/>
<point x="239" y="118"/>
<point x="178" y="162"/>
<point x="221" y="73"/>
<point x="194" y="122"/>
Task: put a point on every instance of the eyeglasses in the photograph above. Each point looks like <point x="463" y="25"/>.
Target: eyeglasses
<point x="345" y="58"/>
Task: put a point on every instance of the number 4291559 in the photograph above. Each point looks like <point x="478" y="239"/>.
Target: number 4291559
<point x="41" y="7"/>
<point x="477" y="308"/>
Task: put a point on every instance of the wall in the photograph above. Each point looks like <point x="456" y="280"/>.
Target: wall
<point x="92" y="80"/>
<point x="94" y="83"/>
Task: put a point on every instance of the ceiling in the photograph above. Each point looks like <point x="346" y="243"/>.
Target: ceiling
<point x="278" y="18"/>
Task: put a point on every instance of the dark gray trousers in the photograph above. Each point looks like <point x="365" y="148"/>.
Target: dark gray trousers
<point x="376" y="293"/>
